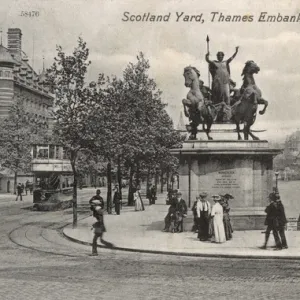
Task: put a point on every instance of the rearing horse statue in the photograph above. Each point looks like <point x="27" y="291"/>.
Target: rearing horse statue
<point x="244" y="110"/>
<point x="195" y="107"/>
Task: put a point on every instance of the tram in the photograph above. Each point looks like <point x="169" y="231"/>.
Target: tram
<point x="52" y="177"/>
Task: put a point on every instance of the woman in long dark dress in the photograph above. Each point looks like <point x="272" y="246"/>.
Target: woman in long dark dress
<point x="226" y="218"/>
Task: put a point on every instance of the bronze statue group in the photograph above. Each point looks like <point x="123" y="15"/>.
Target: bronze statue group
<point x="223" y="102"/>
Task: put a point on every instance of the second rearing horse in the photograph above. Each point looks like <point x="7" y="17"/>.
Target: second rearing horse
<point x="194" y="104"/>
<point x="245" y="109"/>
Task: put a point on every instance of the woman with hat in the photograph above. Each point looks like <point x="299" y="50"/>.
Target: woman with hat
<point x="226" y="218"/>
<point x="217" y="215"/>
<point x="203" y="213"/>
<point x="139" y="205"/>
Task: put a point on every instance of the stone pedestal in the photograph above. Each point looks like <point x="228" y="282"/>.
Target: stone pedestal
<point x="241" y="168"/>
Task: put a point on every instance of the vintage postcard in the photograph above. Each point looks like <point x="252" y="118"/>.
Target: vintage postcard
<point x="149" y="149"/>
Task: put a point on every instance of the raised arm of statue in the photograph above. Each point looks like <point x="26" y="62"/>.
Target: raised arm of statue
<point x="234" y="55"/>
<point x="207" y="58"/>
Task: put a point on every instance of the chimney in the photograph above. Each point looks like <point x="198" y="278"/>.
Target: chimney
<point x="14" y="42"/>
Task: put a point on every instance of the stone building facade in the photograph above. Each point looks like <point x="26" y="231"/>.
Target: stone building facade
<point x="19" y="80"/>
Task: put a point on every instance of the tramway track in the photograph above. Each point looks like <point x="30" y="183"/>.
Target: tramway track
<point x="61" y="248"/>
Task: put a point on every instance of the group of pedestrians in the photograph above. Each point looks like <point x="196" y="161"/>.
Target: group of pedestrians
<point x="212" y="222"/>
<point x="276" y="222"/>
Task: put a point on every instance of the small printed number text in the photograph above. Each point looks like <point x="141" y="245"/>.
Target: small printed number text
<point x="30" y="14"/>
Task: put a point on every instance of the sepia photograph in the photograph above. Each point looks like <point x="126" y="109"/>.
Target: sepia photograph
<point x="149" y="149"/>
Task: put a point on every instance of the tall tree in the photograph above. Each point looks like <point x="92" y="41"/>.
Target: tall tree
<point x="17" y="134"/>
<point x="75" y="103"/>
<point x="145" y="132"/>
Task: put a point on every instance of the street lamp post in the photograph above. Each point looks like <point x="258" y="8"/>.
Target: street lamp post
<point x="276" y="177"/>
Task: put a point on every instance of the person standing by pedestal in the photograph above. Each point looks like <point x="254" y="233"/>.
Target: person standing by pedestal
<point x="203" y="214"/>
<point x="171" y="211"/>
<point x="182" y="209"/>
<point x="195" y="216"/>
<point x="19" y="192"/>
<point x="117" y="200"/>
<point x="217" y="215"/>
<point x="226" y="218"/>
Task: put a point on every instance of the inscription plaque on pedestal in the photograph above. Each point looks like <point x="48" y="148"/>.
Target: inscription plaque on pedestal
<point x="226" y="180"/>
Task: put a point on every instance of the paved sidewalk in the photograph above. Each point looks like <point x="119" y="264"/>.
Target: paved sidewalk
<point x="142" y="231"/>
<point x="10" y="199"/>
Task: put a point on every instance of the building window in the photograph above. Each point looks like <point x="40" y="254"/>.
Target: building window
<point x="51" y="151"/>
<point x="43" y="152"/>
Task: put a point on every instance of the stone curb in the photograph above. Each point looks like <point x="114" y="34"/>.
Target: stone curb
<point x="238" y="256"/>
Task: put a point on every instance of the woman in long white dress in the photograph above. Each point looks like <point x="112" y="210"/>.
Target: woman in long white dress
<point x="217" y="214"/>
<point x="139" y="205"/>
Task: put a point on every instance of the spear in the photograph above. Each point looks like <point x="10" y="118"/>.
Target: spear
<point x="207" y="44"/>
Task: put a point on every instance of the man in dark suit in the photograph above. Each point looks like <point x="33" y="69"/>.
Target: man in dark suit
<point x="96" y="200"/>
<point x="272" y="222"/>
<point x="281" y="222"/>
<point x="153" y="194"/>
<point x="19" y="192"/>
<point x="117" y="200"/>
<point x="182" y="209"/>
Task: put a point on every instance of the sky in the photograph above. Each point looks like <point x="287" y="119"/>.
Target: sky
<point x="172" y="45"/>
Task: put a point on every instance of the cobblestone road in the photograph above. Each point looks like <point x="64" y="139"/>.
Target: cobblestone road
<point x="36" y="263"/>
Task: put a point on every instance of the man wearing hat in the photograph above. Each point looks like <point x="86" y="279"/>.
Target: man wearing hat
<point x="96" y="200"/>
<point x="203" y="209"/>
<point x="182" y="209"/>
<point x="172" y="210"/>
<point x="282" y="244"/>
<point x="99" y="230"/>
<point x="271" y="221"/>
<point x="226" y="218"/>
<point x="117" y="200"/>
